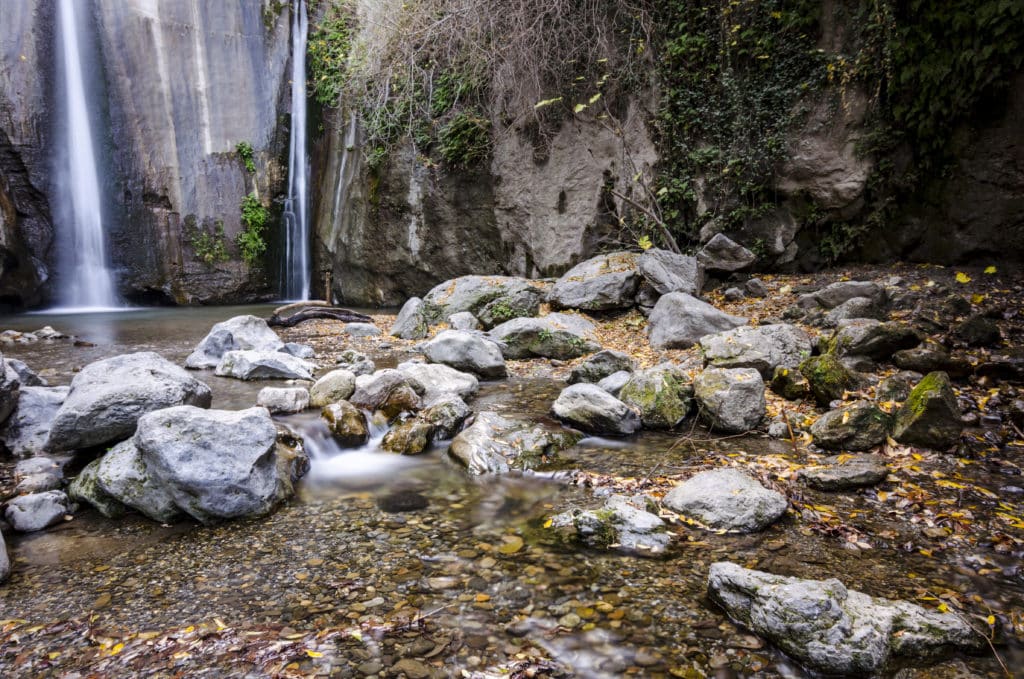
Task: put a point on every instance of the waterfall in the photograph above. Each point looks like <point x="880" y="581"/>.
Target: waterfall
<point x="296" y="208"/>
<point x="88" y="281"/>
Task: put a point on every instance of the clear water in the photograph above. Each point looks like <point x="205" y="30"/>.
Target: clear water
<point x="297" y="271"/>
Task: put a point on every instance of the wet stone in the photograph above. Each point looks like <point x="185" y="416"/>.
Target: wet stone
<point x="402" y="501"/>
<point x="844" y="472"/>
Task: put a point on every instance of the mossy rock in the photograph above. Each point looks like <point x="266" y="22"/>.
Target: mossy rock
<point x="409" y="438"/>
<point x="663" y="397"/>
<point x="790" y="384"/>
<point x="347" y="423"/>
<point x="827" y="378"/>
<point x="86" y="488"/>
<point x="858" y="426"/>
<point x="930" y="416"/>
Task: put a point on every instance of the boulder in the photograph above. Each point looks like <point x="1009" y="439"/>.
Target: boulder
<point x="931" y="357"/>
<point x="411" y="323"/>
<point x="521" y="303"/>
<point x="667" y="272"/>
<point x="594" y="410"/>
<point x="763" y="348"/>
<point x="9" y="388"/>
<point x="283" y="400"/>
<point x="5" y="561"/>
<point x="662" y="395"/>
<point x="467" y="352"/>
<point x="755" y="287"/>
<point x="897" y="387"/>
<point x="264" y="365"/>
<point x="721" y="253"/>
<point x="440" y="420"/>
<point x="297" y="350"/>
<point x="835" y="294"/>
<point x="219" y="464"/>
<point x="355" y="362"/>
<point x="438" y="379"/>
<point x="26" y="376"/>
<point x="790" y="384"/>
<point x="833" y="630"/>
<point x="464" y="320"/>
<point x="614" y="383"/>
<point x="38" y="474"/>
<point x="493" y="444"/>
<point x="337" y="385"/>
<point x="876" y="340"/>
<point x="600" y="365"/>
<point x="602" y="283"/>
<point x="561" y="336"/>
<point x="622" y="524"/>
<point x="29" y="513"/>
<point x="679" y="321"/>
<point x="241" y="333"/>
<point x="27" y="429"/>
<point x="727" y="499"/>
<point x="410" y="437"/>
<point x="978" y="331"/>
<point x="85" y="488"/>
<point x="828" y="378"/>
<point x="930" y="416"/>
<point x="390" y="391"/>
<point x="846" y="472"/>
<point x="122" y="476"/>
<point x="361" y="330"/>
<point x="861" y="425"/>
<point x="733" y="295"/>
<point x="108" y="397"/>
<point x="858" y="307"/>
<point x="346" y="423"/>
<point x="731" y="399"/>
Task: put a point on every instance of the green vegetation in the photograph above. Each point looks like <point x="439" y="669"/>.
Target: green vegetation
<point x="209" y="246"/>
<point x="465" y="140"/>
<point x="244" y="150"/>
<point x="327" y="52"/>
<point x="254" y="221"/>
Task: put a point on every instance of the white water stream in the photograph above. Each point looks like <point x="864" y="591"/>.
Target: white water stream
<point x="296" y="209"/>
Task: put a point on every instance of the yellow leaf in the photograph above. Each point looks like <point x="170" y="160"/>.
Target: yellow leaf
<point x="117" y="649"/>
<point x="882" y="496"/>
<point x="314" y="654"/>
<point x="991" y="620"/>
<point x="925" y="552"/>
<point x="990" y="270"/>
<point x="846" y="417"/>
<point x="977" y="298"/>
<point x="547" y="524"/>
<point x="961" y="277"/>
<point x="220" y="623"/>
<point x="943" y="608"/>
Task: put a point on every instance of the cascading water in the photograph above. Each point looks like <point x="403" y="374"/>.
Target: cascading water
<point x="296" y="208"/>
<point x="87" y="282"/>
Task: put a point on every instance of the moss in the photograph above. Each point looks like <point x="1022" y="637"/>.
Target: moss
<point x="827" y="376"/>
<point x="931" y="386"/>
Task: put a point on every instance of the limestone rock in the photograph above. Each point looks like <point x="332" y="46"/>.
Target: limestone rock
<point x="721" y="253"/>
<point x="602" y="283"/>
<point x="235" y="334"/>
<point x="355" y="362"/>
<point x="29" y="513"/>
<point x="264" y="365"/>
<point x="361" y="330"/>
<point x="493" y="444"/>
<point x="303" y="351"/>
<point x="790" y="384"/>
<point x="876" y="340"/>
<point x="860" y="425"/>
<point x="827" y="378"/>
<point x="26" y="430"/>
<point x="85" y="488"/>
<point x="283" y="400"/>
<point x="438" y="379"/>
<point x="594" y="410"/>
<point x="411" y="323"/>
<point x="930" y="416"/>
<point x="835" y="294"/>
<point x="521" y="303"/>
<point x="622" y="524"/>
<point x="857" y="307"/>
<point x="662" y="395"/>
<point x="762" y="347"/>
<point x="846" y="472"/>
<point x="389" y="391"/>
<point x="731" y="399"/>
<point x="832" y="629"/>
<point x="468" y="352"/>
<point x="561" y="336"/>
<point x="122" y="476"/>
<point x="508" y="296"/>
<point x="346" y="423"/>
<point x="614" y="383"/>
<point x="667" y="272"/>
<point x="440" y="420"/>
<point x="598" y="366"/>
<point x="463" y="320"/>
<point x="26" y="376"/>
<point x="679" y="321"/>
<point x="335" y="386"/>
<point x="109" y="396"/>
<point x="727" y="499"/>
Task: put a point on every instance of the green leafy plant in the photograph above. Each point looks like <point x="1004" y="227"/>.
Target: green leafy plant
<point x="327" y="51"/>
<point x="209" y="246"/>
<point x="245" y="152"/>
<point x="465" y="141"/>
<point x="254" y="220"/>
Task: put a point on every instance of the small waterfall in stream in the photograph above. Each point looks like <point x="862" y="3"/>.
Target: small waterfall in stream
<point x="86" y="280"/>
<point x="296" y="208"/>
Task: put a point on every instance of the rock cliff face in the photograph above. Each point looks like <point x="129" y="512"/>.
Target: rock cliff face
<point x="183" y="83"/>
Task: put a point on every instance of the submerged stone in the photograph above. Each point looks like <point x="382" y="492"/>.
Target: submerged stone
<point x="346" y="423"/>
<point x="622" y="524"/>
<point x="493" y="444"/>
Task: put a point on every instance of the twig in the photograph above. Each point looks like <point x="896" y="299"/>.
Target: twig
<point x="666" y="235"/>
<point x="792" y="436"/>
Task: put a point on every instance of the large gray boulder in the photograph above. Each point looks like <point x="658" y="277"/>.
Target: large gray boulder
<point x="877" y="340"/>
<point x="390" y="391"/>
<point x="467" y="352"/>
<point x="235" y="334"/>
<point x="731" y="399"/>
<point x="26" y="430"/>
<point x="122" y="475"/>
<point x="662" y="395"/>
<point x="411" y="323"/>
<point x="108" y="397"/>
<point x="721" y="253"/>
<point x="594" y="410"/>
<point x="602" y="283"/>
<point x="219" y="464"/>
<point x="493" y="444"/>
<point x="26" y="376"/>
<point x="601" y="365"/>
<point x="264" y="365"/>
<point x="9" y="387"/>
<point x="831" y="296"/>
<point x="438" y="379"/>
<point x="492" y="299"/>
<point x="679" y="321"/>
<point x="727" y="499"/>
<point x="668" y="272"/>
<point x="763" y="347"/>
<point x="283" y="399"/>
<point x="36" y="511"/>
<point x="335" y="386"/>
<point x="561" y="336"/>
<point x="832" y="629"/>
<point x="623" y="524"/>
<point x="860" y="425"/>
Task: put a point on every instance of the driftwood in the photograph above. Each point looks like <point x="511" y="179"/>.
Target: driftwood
<point x="295" y="313"/>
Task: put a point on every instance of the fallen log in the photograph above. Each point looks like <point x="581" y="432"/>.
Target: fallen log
<point x="292" y="314"/>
